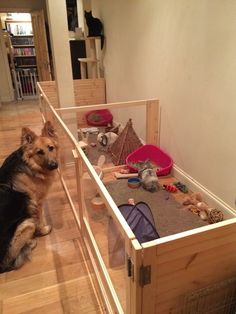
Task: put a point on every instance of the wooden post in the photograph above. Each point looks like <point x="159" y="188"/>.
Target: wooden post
<point x="79" y="174"/>
<point x="135" y="288"/>
<point x="92" y="60"/>
<point x="95" y="55"/>
<point x="83" y="69"/>
<point x="149" y="290"/>
<point x="153" y="122"/>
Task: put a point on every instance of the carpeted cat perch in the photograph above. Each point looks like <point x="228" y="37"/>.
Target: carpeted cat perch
<point x="126" y="143"/>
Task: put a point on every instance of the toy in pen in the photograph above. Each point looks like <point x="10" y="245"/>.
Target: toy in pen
<point x="170" y="188"/>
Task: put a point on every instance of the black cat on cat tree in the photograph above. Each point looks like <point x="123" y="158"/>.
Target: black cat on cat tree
<point x="95" y="27"/>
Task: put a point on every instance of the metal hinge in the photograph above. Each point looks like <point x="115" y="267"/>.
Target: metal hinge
<point x="145" y="275"/>
<point x="130" y="267"/>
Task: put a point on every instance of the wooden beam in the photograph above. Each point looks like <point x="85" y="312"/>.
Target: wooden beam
<point x="114" y="105"/>
<point x="152" y="122"/>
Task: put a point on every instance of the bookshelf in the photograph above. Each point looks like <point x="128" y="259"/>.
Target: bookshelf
<point x="23" y="51"/>
<point x="22" y="42"/>
<point x="23" y="57"/>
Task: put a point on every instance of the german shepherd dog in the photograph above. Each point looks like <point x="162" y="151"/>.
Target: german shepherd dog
<point x="25" y="177"/>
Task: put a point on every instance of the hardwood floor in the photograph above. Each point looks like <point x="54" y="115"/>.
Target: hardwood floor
<point x="57" y="279"/>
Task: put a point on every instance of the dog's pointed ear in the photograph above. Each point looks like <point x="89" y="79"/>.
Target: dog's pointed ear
<point x="48" y="130"/>
<point x="27" y="136"/>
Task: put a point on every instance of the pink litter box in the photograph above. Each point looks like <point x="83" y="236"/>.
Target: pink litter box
<point x="153" y="154"/>
<point x="101" y="117"/>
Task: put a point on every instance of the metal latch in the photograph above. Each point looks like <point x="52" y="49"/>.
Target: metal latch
<point x="145" y="275"/>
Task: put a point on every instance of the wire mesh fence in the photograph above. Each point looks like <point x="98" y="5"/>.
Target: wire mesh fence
<point x="219" y="298"/>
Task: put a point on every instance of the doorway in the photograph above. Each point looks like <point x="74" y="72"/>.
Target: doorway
<point x="25" y="40"/>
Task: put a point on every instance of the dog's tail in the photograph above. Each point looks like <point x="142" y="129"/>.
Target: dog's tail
<point x="23" y="257"/>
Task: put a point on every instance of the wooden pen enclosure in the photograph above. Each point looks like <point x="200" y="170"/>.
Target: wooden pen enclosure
<point x="179" y="273"/>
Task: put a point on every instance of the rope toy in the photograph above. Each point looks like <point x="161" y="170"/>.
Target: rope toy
<point x="214" y="215"/>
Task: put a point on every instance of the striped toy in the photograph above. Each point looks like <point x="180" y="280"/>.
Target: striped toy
<point x="170" y="188"/>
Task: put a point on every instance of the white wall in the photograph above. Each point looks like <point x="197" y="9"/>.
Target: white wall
<point x="184" y="53"/>
<point x="61" y="51"/>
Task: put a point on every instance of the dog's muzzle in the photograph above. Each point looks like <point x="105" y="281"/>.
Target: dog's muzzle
<point x="52" y="165"/>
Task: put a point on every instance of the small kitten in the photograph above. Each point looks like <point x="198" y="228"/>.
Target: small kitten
<point x="95" y="27"/>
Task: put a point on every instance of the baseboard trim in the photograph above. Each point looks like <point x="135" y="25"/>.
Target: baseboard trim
<point x="207" y="195"/>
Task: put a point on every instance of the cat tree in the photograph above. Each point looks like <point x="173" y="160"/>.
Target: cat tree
<point x="90" y="66"/>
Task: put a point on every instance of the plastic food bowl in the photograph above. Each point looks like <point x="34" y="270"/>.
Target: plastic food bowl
<point x="134" y="183"/>
<point x="155" y="155"/>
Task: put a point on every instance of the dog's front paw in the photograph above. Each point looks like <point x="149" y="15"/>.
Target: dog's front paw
<point x="42" y="231"/>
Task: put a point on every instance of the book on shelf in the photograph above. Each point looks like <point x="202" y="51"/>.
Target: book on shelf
<point x="22" y="40"/>
<point x="25" y="62"/>
<point x="24" y="51"/>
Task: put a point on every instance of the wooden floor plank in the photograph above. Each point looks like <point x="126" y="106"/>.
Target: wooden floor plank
<point x="51" y="294"/>
<point x="52" y="308"/>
